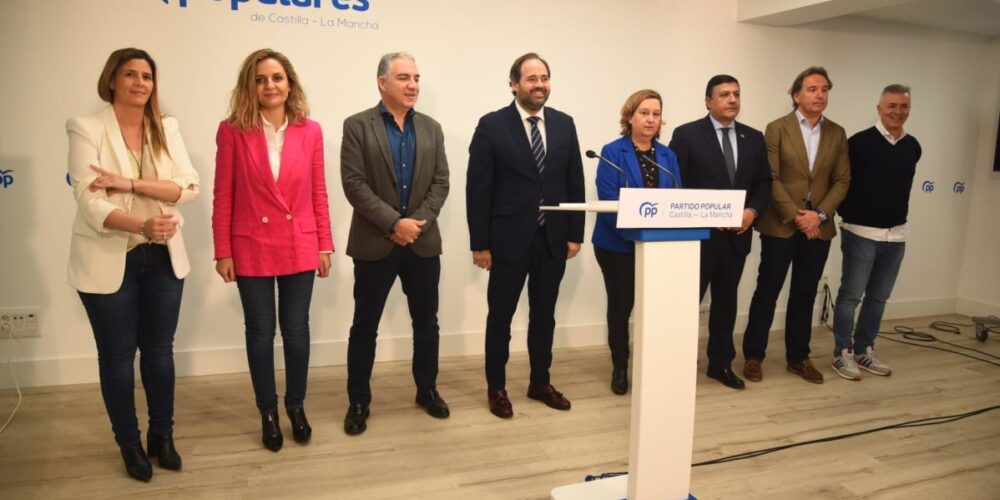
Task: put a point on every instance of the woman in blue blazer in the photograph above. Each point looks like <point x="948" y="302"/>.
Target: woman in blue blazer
<point x="638" y="161"/>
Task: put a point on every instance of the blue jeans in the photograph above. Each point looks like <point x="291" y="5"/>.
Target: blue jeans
<point x="294" y="296"/>
<point x="870" y="270"/>
<point x="807" y="259"/>
<point x="141" y="315"/>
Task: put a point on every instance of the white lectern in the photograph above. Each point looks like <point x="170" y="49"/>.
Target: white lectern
<point x="667" y="226"/>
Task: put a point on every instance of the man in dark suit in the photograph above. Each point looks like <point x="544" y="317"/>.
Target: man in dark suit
<point x="521" y="157"/>
<point x="717" y="152"/>
<point x="395" y="175"/>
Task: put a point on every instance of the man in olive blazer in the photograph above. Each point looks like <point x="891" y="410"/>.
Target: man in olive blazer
<point x="395" y="175"/>
<point x="811" y="173"/>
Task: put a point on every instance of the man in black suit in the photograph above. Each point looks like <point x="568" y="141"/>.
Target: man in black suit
<point x="717" y="152"/>
<point x="521" y="157"/>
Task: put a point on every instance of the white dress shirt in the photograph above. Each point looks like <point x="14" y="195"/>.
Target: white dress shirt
<point x="732" y="137"/>
<point x="527" y="125"/>
<point x="275" y="142"/>
<point x="810" y="135"/>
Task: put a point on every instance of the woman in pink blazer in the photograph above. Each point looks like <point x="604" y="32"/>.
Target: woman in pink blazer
<point x="271" y="225"/>
<point x="129" y="169"/>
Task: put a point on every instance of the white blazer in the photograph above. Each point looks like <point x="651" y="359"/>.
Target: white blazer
<point x="97" y="254"/>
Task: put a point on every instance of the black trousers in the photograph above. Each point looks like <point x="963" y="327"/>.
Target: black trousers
<point x="544" y="273"/>
<point x="419" y="277"/>
<point x="721" y="269"/>
<point x="619" y="283"/>
<point x="807" y="259"/>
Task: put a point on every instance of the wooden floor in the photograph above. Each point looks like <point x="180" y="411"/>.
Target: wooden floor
<point x="60" y="444"/>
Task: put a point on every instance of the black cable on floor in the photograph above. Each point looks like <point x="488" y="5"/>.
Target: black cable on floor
<point x="912" y="423"/>
<point x="917" y="337"/>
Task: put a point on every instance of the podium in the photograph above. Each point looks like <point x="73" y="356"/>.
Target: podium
<point x="667" y="226"/>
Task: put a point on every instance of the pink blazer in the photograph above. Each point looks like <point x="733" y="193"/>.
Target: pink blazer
<point x="270" y="228"/>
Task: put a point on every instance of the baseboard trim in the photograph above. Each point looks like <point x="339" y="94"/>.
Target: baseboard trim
<point x="971" y="307"/>
<point x="83" y="370"/>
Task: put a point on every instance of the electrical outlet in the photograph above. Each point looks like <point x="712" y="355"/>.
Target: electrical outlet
<point x="19" y="322"/>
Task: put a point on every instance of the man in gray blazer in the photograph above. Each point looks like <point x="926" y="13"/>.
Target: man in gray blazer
<point x="395" y="175"/>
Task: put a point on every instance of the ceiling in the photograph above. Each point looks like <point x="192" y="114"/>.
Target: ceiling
<point x="975" y="17"/>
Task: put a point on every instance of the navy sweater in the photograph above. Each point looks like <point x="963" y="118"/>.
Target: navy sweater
<point x="881" y="178"/>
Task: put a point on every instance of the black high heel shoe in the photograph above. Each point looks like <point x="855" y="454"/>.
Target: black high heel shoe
<point x="136" y="463"/>
<point x="270" y="433"/>
<point x="161" y="446"/>
<point x="301" y="430"/>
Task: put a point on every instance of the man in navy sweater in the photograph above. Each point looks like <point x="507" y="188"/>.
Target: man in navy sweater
<point x="883" y="162"/>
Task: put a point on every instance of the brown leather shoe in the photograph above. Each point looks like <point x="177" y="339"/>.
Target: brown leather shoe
<point x="752" y="370"/>
<point x="500" y="404"/>
<point x="806" y="370"/>
<point x="548" y="395"/>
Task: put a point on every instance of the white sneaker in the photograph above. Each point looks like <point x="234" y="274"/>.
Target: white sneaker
<point x="870" y="363"/>
<point x="844" y="365"/>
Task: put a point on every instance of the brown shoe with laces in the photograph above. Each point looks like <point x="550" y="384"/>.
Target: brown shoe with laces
<point x="752" y="370"/>
<point x="806" y="370"/>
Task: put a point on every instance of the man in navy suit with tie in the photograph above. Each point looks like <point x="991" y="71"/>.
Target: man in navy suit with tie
<point x="717" y="152"/>
<point x="524" y="156"/>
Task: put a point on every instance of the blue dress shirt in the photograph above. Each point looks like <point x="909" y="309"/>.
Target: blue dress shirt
<point x="403" y="147"/>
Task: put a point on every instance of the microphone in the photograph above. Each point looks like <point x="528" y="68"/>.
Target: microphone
<point x="677" y="182"/>
<point x="591" y="154"/>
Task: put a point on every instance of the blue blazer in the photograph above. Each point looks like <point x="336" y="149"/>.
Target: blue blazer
<point x="503" y="185"/>
<point x="609" y="181"/>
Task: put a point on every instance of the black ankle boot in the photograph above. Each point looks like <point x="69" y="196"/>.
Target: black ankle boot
<point x="619" y="381"/>
<point x="136" y="463"/>
<point x="161" y="446"/>
<point x="270" y="433"/>
<point x="301" y="430"/>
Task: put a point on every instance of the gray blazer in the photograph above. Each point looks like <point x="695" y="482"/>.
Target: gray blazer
<point x="369" y="180"/>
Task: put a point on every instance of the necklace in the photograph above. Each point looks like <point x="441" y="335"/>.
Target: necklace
<point x="142" y="153"/>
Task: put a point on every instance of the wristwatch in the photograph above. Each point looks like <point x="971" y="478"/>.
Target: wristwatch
<point x="822" y="215"/>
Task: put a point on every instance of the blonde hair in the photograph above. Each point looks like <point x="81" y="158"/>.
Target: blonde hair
<point x="244" y="108"/>
<point x="152" y="121"/>
<point x="632" y="104"/>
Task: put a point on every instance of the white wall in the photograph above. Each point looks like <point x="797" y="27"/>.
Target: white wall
<point x="978" y="293"/>
<point x="599" y="53"/>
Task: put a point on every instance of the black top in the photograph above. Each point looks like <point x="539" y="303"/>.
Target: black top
<point x="881" y="178"/>
<point x="650" y="174"/>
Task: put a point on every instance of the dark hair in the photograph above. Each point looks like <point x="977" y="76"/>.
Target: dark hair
<point x="896" y="88"/>
<point x="718" y="80"/>
<point x="797" y="84"/>
<point x="151" y="112"/>
<point x="515" y="69"/>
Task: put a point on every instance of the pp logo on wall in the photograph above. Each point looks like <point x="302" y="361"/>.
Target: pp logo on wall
<point x="958" y="187"/>
<point x="6" y="178"/>
<point x="928" y="186"/>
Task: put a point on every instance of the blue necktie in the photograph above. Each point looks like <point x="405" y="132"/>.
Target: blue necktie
<point x="538" y="151"/>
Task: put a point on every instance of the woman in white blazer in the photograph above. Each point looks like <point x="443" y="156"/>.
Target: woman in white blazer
<point x="129" y="169"/>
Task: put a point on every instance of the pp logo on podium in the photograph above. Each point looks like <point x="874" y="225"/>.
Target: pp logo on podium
<point x="648" y="209"/>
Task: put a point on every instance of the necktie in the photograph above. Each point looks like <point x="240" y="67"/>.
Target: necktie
<point x="727" y="154"/>
<point x="538" y="152"/>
